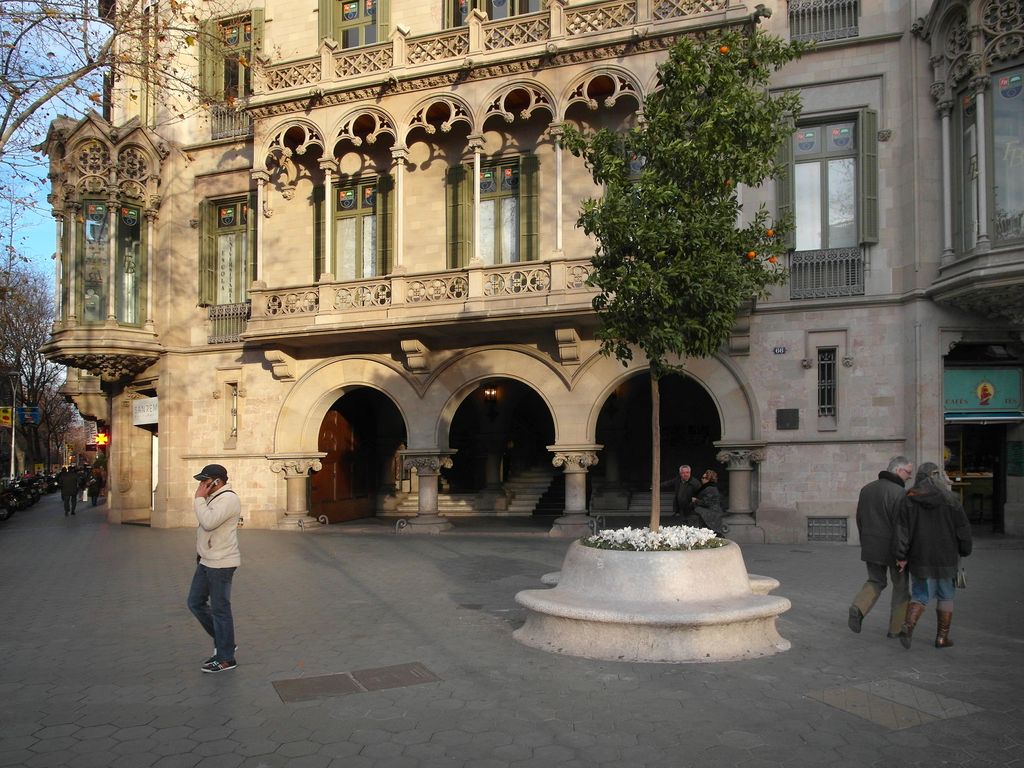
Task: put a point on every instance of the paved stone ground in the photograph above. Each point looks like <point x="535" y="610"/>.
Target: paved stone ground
<point x="101" y="661"/>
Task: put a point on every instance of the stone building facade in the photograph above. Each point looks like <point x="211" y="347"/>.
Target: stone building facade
<point x="355" y="279"/>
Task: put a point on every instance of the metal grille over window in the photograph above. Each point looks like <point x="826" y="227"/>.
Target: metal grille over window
<point x="826" y="273"/>
<point x="826" y="529"/>
<point x="227" y="322"/>
<point x="823" y="20"/>
<point x="827" y="382"/>
<point x="228" y="122"/>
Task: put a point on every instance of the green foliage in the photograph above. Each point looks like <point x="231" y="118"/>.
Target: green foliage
<point x="672" y="263"/>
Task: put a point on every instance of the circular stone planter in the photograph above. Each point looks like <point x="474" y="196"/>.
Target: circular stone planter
<point x="676" y="606"/>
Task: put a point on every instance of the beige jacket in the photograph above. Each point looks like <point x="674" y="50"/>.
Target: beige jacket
<point x="217" y="534"/>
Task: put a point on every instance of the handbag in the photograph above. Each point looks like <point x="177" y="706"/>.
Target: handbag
<point x="960" y="582"/>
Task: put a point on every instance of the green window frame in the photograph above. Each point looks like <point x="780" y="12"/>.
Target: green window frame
<point x="830" y="182"/>
<point x="508" y="212"/>
<point x="362" y="210"/>
<point x="354" y="23"/>
<point x="228" y="47"/>
<point x="1003" y="124"/>
<point x="457" y="11"/>
<point x="227" y="250"/>
<point x="93" y="262"/>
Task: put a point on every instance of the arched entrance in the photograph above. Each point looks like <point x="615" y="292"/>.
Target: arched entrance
<point x="500" y="430"/>
<point x="361" y="434"/>
<point x="690" y="426"/>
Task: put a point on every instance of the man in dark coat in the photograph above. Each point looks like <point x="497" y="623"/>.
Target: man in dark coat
<point x="68" y="482"/>
<point x="877" y="510"/>
<point x="684" y="490"/>
<point x="932" y="534"/>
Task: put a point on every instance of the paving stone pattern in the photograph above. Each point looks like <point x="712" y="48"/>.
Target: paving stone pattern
<point x="101" y="661"/>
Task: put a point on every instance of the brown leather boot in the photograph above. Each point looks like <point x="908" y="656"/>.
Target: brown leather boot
<point x="944" y="618"/>
<point x="914" y="611"/>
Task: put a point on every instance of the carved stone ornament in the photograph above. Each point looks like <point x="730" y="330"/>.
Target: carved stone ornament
<point x="427" y="465"/>
<point x="740" y="458"/>
<point x="486" y="72"/>
<point x="112" y="367"/>
<point x="296" y="466"/>
<point x="574" y="461"/>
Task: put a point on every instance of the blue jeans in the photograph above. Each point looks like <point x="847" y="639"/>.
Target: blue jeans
<point x="921" y="590"/>
<point x="209" y="599"/>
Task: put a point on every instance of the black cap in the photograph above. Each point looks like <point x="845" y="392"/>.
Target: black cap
<point x="212" y="470"/>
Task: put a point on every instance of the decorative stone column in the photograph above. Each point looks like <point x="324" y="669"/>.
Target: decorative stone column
<point x="575" y="459"/>
<point x="428" y="465"/>
<point x="296" y="469"/>
<point x="739" y="462"/>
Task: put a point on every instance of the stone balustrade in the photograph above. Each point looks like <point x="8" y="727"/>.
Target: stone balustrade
<point x="481" y="41"/>
<point x="386" y="300"/>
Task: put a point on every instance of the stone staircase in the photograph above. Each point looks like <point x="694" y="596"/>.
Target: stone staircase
<point x="524" y="490"/>
<point x="448" y="504"/>
<point x="640" y="503"/>
<point x="522" y="493"/>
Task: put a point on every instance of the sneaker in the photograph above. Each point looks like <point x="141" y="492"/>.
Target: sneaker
<point x="214" y="657"/>
<point x="856" y="617"/>
<point x="219" y="666"/>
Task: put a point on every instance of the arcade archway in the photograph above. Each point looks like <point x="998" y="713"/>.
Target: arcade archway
<point x="361" y="434"/>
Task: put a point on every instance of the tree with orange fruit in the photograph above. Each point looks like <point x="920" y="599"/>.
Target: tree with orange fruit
<point x="674" y="261"/>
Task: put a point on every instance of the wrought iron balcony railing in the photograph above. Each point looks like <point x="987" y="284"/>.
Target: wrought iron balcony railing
<point x="227" y="122"/>
<point x="826" y="274"/>
<point x="823" y="20"/>
<point x="227" y="322"/>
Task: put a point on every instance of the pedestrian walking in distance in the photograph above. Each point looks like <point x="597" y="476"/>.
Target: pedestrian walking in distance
<point x="933" y="533"/>
<point x="877" y="512"/>
<point x="68" y="482"/>
<point x="217" y="508"/>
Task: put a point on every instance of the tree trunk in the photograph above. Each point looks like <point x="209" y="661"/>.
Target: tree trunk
<point x="655" y="454"/>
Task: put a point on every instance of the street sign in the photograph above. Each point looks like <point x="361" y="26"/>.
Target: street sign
<point x="28" y="414"/>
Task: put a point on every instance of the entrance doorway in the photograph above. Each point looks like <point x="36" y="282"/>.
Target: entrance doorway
<point x="975" y="460"/>
<point x="689" y="428"/>
<point x="500" y="431"/>
<point x="361" y="435"/>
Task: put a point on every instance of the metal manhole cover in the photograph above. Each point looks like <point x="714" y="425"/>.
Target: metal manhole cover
<point x="360" y="681"/>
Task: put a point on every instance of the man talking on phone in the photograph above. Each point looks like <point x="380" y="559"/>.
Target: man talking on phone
<point x="217" y="508"/>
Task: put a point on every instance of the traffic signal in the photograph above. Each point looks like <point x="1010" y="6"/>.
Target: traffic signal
<point x="102" y="438"/>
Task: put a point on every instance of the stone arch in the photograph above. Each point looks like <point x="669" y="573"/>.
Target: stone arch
<point x="136" y="168"/>
<point x="460" y="376"/>
<point x="529" y="98"/>
<point x="290" y="139"/>
<point x="304" y="408"/>
<point x="725" y="384"/>
<point x="438" y="112"/>
<point x="365" y="125"/>
<point x="608" y="83"/>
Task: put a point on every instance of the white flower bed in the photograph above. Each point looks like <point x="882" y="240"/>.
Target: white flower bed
<point x="673" y="537"/>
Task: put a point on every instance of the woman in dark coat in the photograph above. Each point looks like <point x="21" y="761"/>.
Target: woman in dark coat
<point x="932" y="534"/>
<point x="708" y="503"/>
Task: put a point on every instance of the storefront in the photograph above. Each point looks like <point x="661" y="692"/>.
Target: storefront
<point x="982" y="438"/>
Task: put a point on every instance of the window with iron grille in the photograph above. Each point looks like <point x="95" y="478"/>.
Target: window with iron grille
<point x="823" y="20"/>
<point x="826" y="273"/>
<point x="830" y="187"/>
<point x="826" y="387"/>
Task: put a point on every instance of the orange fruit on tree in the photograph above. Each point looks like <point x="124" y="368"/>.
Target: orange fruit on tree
<point x="773" y="260"/>
<point x="751" y="255"/>
<point x="723" y="49"/>
<point x="770" y="233"/>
